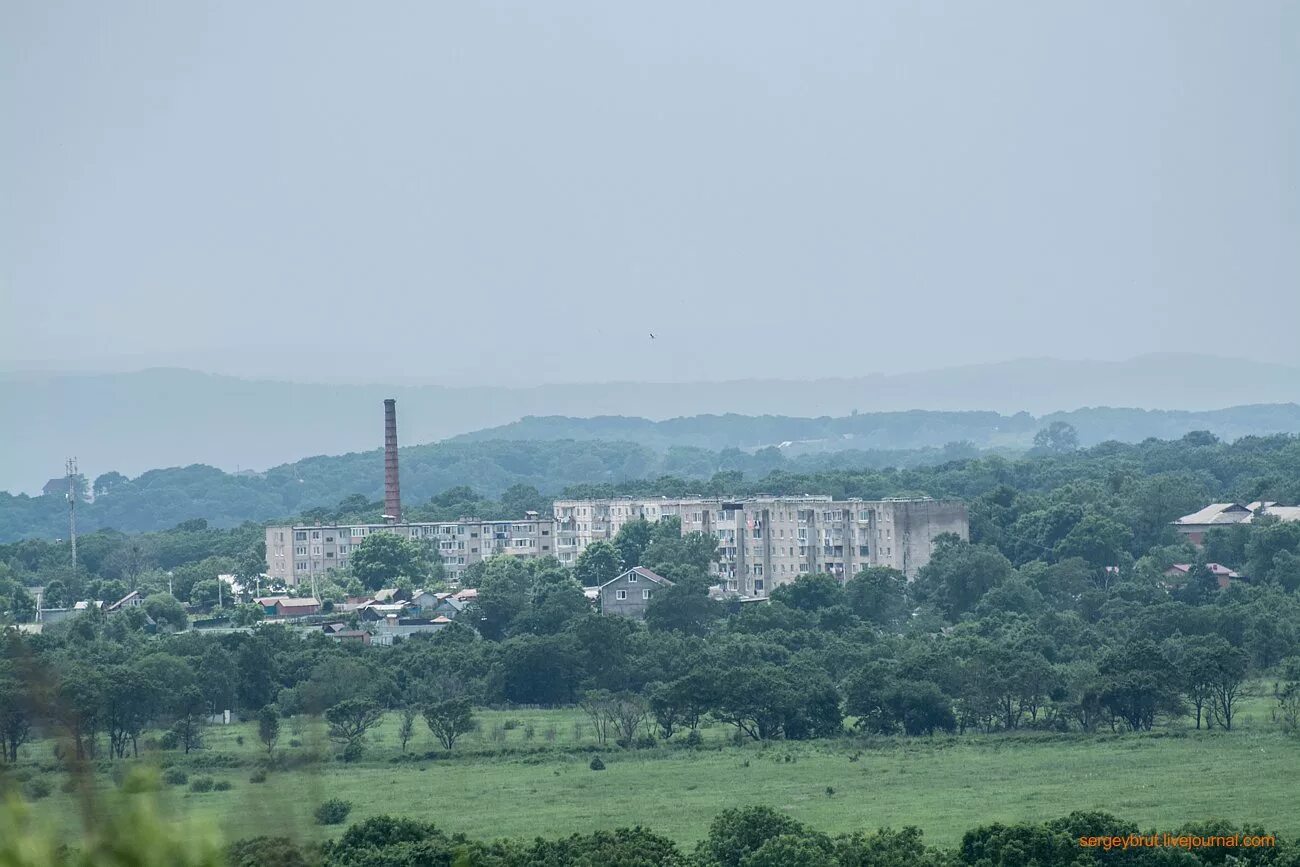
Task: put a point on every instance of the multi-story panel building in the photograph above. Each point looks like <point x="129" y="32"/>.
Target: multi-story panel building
<point x="764" y="542"/>
<point x="294" y="554"/>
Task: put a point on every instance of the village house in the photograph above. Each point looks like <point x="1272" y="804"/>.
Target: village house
<point x="288" y="606"/>
<point x="1177" y="574"/>
<point x="1193" y="527"/>
<point x="629" y="594"/>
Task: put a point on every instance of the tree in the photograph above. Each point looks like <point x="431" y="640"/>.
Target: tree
<point x="56" y="595"/>
<point x="166" y="611"/>
<point x="268" y="727"/>
<point x="628" y="713"/>
<point x="349" y="720"/>
<point x="959" y="573"/>
<point x="631" y="540"/>
<point x="449" y="719"/>
<point x="735" y="834"/>
<point x="810" y="592"/>
<point x="1196" y="659"/>
<point x="15" y="721"/>
<point x="106" y="482"/>
<point x="878" y="594"/>
<point x="130" y="701"/>
<point x="188" y="728"/>
<point x="684" y="607"/>
<point x="406" y="730"/>
<point x="1228" y="685"/>
<point x="1057" y="438"/>
<point x="599" y="562"/>
<point x="382" y="558"/>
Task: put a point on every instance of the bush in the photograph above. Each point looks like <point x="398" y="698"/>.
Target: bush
<point x="258" y="776"/>
<point x="169" y="741"/>
<point x="694" y="739"/>
<point x="294" y="742"/>
<point x="139" y="780"/>
<point x="352" y="752"/>
<point x="37" y="788"/>
<point x="332" y="812"/>
<point x="239" y="739"/>
<point x="222" y="786"/>
<point x="202" y="784"/>
<point x="596" y="764"/>
<point x="68" y="786"/>
<point x="261" y="851"/>
<point x="511" y="724"/>
<point x="646" y="742"/>
<point x="175" y="777"/>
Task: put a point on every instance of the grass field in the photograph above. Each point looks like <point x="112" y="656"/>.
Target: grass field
<point x="505" y="784"/>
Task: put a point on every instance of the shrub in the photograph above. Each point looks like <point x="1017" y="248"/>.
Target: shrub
<point x="261" y="851"/>
<point x="222" y="786"/>
<point x="169" y="741"/>
<point x="139" y="780"/>
<point x="68" y="786"/>
<point x="550" y="734"/>
<point x="511" y="724"/>
<point x="646" y="742"/>
<point x="352" y="752"/>
<point x="175" y="777"/>
<point x="294" y="742"/>
<point x="332" y="812"/>
<point x="202" y="784"/>
<point x="37" y="788"/>
<point x="596" y="764"/>
<point x="258" y="776"/>
<point x="694" y="739"/>
<point x="530" y="731"/>
<point x="239" y="739"/>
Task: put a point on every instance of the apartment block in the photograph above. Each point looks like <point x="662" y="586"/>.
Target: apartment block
<point x="764" y="542"/>
<point x="295" y="554"/>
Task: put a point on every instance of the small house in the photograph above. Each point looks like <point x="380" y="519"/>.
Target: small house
<point x="629" y="594"/>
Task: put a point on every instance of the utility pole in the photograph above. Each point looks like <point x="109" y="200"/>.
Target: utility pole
<point x="72" y="511"/>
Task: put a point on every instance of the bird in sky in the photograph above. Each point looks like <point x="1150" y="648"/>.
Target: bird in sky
<point x="652" y="335"/>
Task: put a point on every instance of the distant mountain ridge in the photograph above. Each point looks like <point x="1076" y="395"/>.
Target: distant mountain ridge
<point x="132" y="422"/>
<point x="897" y="430"/>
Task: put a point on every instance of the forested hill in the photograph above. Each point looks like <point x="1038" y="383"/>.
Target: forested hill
<point x="134" y="421"/>
<point x="1198" y="466"/>
<point x="162" y="498"/>
<point x="898" y="430"/>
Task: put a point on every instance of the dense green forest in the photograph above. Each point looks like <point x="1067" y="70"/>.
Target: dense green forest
<point x="163" y="498"/>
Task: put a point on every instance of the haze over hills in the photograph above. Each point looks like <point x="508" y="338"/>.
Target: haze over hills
<point x="132" y="422"/>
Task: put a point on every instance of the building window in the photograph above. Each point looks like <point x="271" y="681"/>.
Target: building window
<point x="862" y="550"/>
<point x="315" y="534"/>
<point x="620" y="594"/>
<point x="632" y="579"/>
<point x="758" y="585"/>
<point x="645" y="594"/>
<point x="301" y="550"/>
<point x="300" y="536"/>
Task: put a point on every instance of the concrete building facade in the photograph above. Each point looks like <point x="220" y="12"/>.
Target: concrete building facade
<point x="764" y="542"/>
<point x="294" y="554"/>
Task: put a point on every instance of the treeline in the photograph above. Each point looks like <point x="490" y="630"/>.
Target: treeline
<point x="973" y="645"/>
<point x="763" y="837"/>
<point x="752" y="836"/>
<point x="1177" y="476"/>
<point x="162" y="498"/>
<point x="898" y="430"/>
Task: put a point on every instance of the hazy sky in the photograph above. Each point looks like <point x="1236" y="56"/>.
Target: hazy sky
<point x="520" y="192"/>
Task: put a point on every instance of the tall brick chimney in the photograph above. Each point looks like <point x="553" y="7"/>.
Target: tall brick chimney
<point x="392" y="490"/>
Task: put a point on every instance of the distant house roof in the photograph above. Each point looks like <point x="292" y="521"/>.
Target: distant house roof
<point x="126" y="601"/>
<point x="467" y="594"/>
<point x="86" y="603"/>
<point x="1236" y="513"/>
<point x="1216" y="569"/>
<point x="1216" y="513"/>
<point x="388" y="594"/>
<point x="642" y="572"/>
<point x="440" y="619"/>
<point x="592" y="593"/>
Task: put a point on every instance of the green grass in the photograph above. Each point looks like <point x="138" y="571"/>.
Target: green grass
<point x="945" y="785"/>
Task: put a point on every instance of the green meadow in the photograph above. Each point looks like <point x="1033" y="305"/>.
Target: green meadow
<point x="526" y="774"/>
